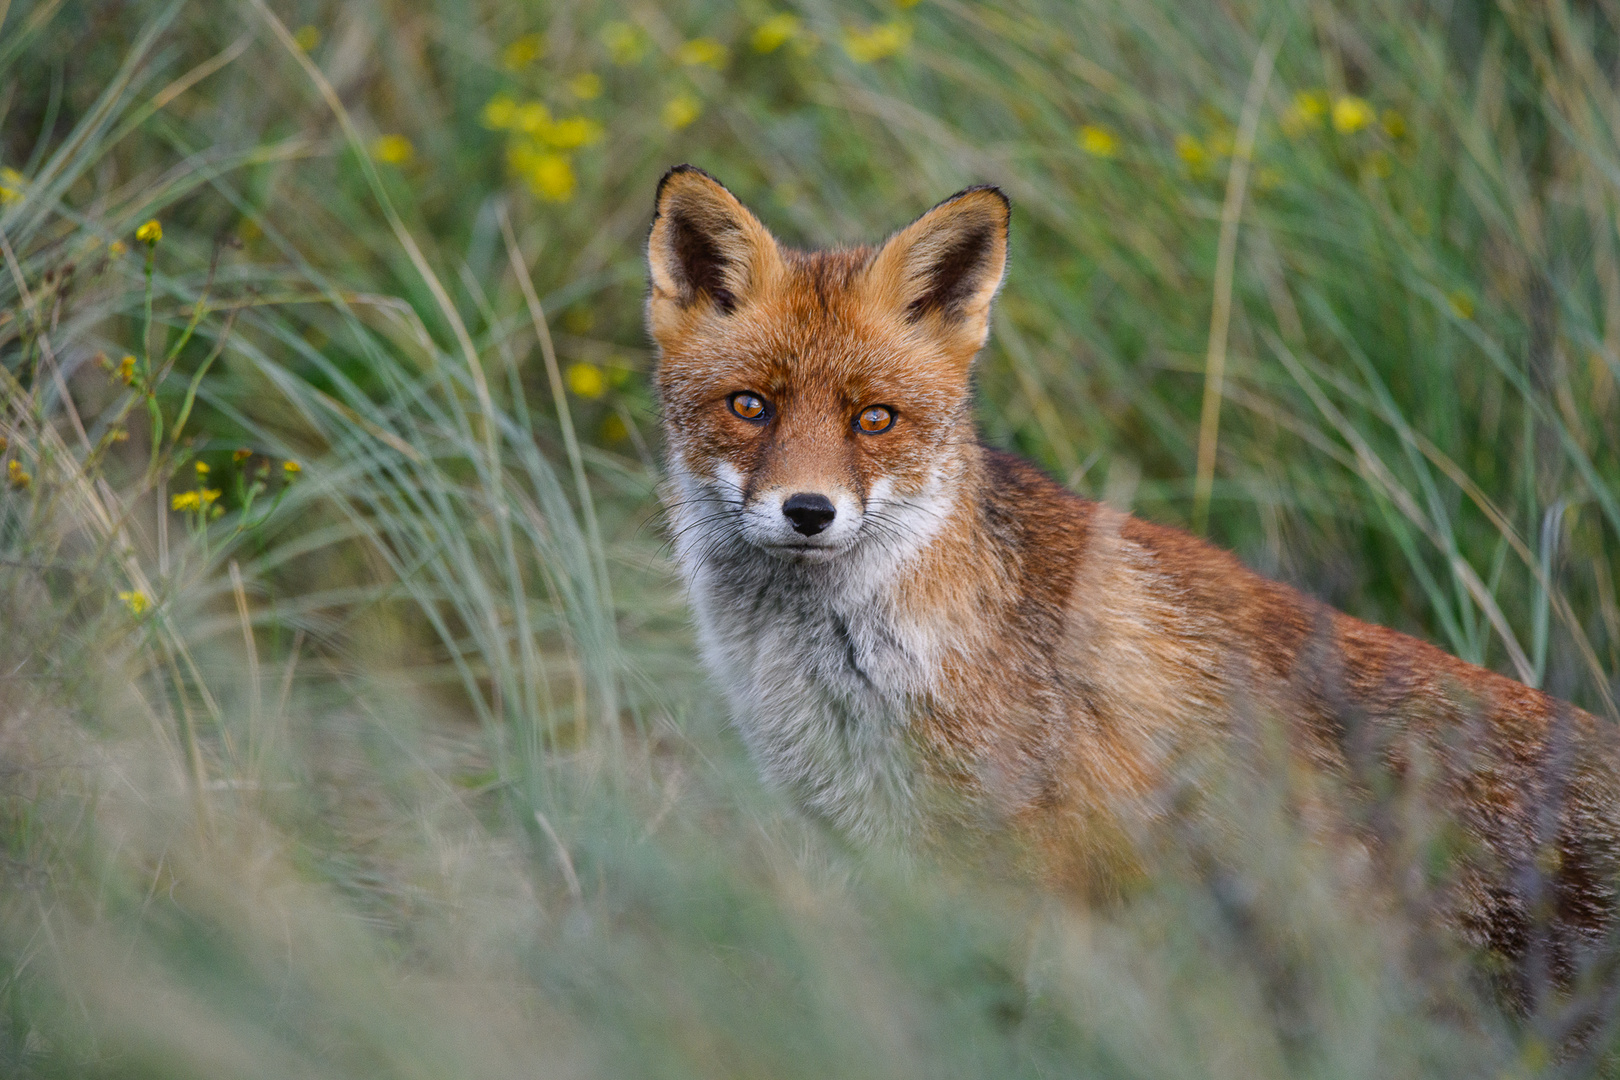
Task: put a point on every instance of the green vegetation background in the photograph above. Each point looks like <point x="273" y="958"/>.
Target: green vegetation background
<point x="395" y="761"/>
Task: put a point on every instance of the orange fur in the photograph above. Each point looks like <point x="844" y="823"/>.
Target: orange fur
<point x="968" y="644"/>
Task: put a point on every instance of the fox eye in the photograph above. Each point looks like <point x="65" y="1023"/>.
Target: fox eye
<point x="748" y="406"/>
<point x="875" y="419"/>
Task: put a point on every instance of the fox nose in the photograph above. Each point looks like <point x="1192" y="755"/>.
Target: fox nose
<point x="809" y="513"/>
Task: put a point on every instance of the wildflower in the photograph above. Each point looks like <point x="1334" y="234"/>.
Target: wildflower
<point x="1305" y="114"/>
<point x="500" y="112"/>
<point x="878" y="43"/>
<point x="1394" y="124"/>
<point x="1462" y="305"/>
<point x="241" y="455"/>
<point x="307" y="37"/>
<point x="1192" y="154"/>
<point x="551" y="177"/>
<point x="18" y="475"/>
<point x="681" y="110"/>
<point x="206" y="496"/>
<point x="126" y="370"/>
<point x="116" y="248"/>
<point x="522" y="52"/>
<point x="702" y="51"/>
<point x="185" y="500"/>
<point x="1097" y="141"/>
<point x="11" y="185"/>
<point x="1351" y="114"/>
<point x="624" y="42"/>
<point x="135" y="600"/>
<point x="572" y="132"/>
<point x="202" y="469"/>
<point x="150" y="233"/>
<point x="291" y="469"/>
<point x="586" y="380"/>
<point x="392" y="149"/>
<point x="531" y="118"/>
<point x="587" y="86"/>
<point x="774" y="32"/>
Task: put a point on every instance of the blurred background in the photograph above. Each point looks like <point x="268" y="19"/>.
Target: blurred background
<point x="350" y="721"/>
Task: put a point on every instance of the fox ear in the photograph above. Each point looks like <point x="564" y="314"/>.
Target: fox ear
<point x="705" y="248"/>
<point x="944" y="268"/>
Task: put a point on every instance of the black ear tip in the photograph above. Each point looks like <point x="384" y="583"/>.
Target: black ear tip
<point x="681" y="170"/>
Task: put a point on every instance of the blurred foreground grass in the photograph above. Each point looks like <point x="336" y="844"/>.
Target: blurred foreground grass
<point x="349" y="724"/>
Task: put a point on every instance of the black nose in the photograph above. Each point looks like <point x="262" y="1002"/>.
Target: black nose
<point x="809" y="513"/>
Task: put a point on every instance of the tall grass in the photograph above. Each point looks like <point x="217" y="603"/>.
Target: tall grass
<point x="396" y="762"/>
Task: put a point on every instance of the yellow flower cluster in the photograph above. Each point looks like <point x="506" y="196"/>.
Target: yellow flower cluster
<point x="877" y="43"/>
<point x="522" y="52"/>
<point x="201" y="499"/>
<point x="126" y="370"/>
<point x="1346" y="114"/>
<point x="136" y="601"/>
<point x="1097" y="141"/>
<point x="704" y="52"/>
<point x="18" y="476"/>
<point x="538" y="147"/>
<point x="150" y="233"/>
<point x="681" y="110"/>
<point x="775" y="32"/>
<point x="392" y="149"/>
<point x="625" y="43"/>
<point x="586" y="380"/>
<point x="11" y="185"/>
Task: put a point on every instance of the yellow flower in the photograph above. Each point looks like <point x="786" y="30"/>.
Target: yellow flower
<point x="136" y="601"/>
<point x="531" y="118"/>
<point x="522" y="52"/>
<point x="1351" y="114"/>
<point x="1305" y="114"/>
<point x="241" y="455"/>
<point x="1394" y="124"/>
<point x="202" y="468"/>
<point x="586" y="380"/>
<point x="551" y="177"/>
<point x="624" y="42"/>
<point x="150" y="233"/>
<point x="1097" y="141"/>
<point x="1192" y="154"/>
<point x="185" y="500"/>
<point x="208" y="495"/>
<point x="307" y="37"/>
<point x="126" y="370"/>
<point x="18" y="475"/>
<point x="500" y="112"/>
<point x="681" y="110"/>
<point x="587" y="86"/>
<point x="878" y="43"/>
<point x="1462" y="305"/>
<point x="11" y="185"/>
<point x="392" y="149"/>
<point x="774" y="32"/>
<point x="291" y="468"/>
<point x="702" y="51"/>
<point x="116" y="248"/>
<point x="572" y="132"/>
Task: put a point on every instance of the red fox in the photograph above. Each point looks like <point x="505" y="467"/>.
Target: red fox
<point x="914" y="630"/>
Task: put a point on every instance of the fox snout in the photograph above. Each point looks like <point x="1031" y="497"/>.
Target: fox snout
<point x="810" y="514"/>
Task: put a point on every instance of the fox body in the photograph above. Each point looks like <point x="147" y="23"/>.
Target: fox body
<point x="916" y="633"/>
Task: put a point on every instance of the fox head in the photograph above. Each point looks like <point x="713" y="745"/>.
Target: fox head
<point x="813" y="400"/>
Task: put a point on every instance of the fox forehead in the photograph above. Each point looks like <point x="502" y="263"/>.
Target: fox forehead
<point x="814" y="338"/>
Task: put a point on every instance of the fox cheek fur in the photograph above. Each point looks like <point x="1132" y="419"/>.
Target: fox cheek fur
<point x="917" y="633"/>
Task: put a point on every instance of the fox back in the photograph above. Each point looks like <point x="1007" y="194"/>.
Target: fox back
<point x="917" y="634"/>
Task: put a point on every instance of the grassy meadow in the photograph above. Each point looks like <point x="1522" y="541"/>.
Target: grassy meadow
<point x="350" y="719"/>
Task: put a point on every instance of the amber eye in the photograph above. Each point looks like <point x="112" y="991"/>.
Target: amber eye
<point x="748" y="406"/>
<point x="875" y="419"/>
